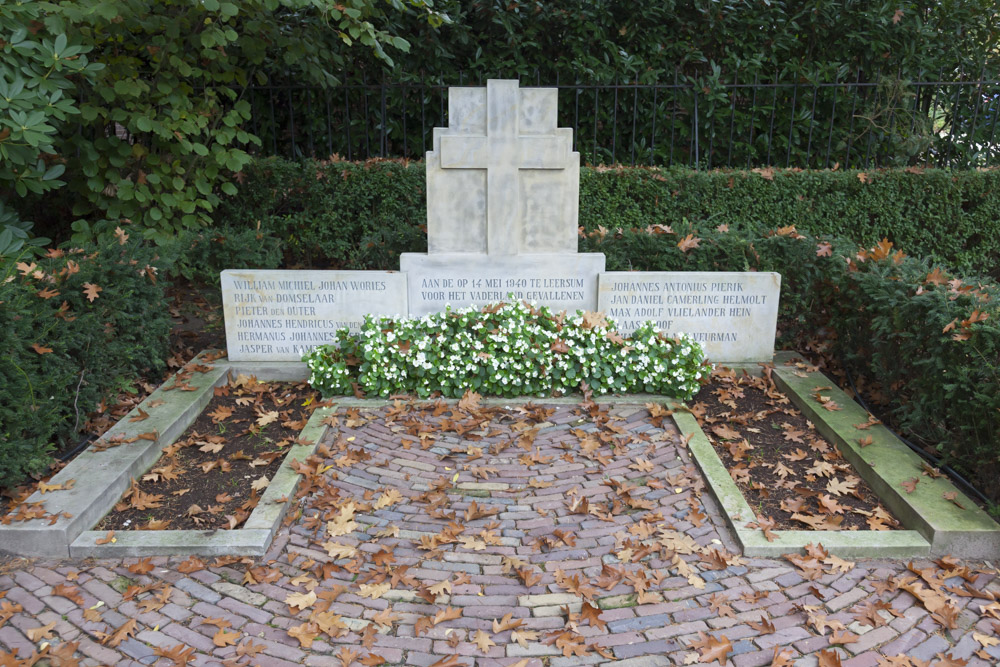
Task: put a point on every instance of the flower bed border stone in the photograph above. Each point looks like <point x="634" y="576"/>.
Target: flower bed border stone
<point x="101" y="477"/>
<point x="933" y="525"/>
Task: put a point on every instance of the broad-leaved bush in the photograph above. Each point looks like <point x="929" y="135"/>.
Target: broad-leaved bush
<point x="510" y="348"/>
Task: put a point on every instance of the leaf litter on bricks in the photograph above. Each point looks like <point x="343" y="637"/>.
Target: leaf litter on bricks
<point x="214" y="474"/>
<point x="791" y="476"/>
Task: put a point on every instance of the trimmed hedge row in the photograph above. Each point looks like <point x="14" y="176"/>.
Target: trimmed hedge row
<point x="78" y="326"/>
<point x="362" y="215"/>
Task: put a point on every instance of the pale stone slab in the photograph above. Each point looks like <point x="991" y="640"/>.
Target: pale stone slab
<point x="732" y="314"/>
<point x="562" y="282"/>
<point x="277" y="315"/>
<point x="502" y="179"/>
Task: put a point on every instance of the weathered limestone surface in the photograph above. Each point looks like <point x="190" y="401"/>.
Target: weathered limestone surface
<point x="275" y="315"/>
<point x="502" y="178"/>
<point x="562" y="282"/>
<point x="732" y="314"/>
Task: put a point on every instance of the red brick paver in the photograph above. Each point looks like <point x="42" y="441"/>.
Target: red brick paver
<point x="567" y="535"/>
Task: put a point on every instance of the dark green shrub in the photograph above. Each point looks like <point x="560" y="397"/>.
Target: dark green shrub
<point x="78" y="325"/>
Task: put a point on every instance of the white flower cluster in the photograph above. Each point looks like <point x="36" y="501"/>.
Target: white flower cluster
<point x="506" y="349"/>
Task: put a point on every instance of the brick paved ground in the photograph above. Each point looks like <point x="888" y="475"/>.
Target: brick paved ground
<point x="522" y="537"/>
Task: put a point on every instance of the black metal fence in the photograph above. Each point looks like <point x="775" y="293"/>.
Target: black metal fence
<point x="854" y="123"/>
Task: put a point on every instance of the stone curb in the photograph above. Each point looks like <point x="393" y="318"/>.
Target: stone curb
<point x="931" y="525"/>
<point x="737" y="512"/>
<point x="253" y="539"/>
<point x="886" y="463"/>
<point x="100" y="479"/>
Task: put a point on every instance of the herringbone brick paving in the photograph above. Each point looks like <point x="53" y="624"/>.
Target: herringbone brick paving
<point x="432" y="535"/>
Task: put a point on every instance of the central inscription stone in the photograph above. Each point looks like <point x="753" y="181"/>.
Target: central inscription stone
<point x="562" y="282"/>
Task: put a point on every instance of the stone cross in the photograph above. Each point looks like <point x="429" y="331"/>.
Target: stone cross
<point x="502" y="179"/>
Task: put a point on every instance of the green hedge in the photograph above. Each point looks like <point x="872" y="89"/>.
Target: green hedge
<point x="362" y="215"/>
<point x="78" y="326"/>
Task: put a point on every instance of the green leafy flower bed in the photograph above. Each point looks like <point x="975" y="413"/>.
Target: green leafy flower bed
<point x="505" y="349"/>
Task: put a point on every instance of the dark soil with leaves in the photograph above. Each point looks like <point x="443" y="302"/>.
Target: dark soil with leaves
<point x="792" y="477"/>
<point x="214" y="475"/>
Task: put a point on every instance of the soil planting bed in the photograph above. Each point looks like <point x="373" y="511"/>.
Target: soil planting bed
<point x="792" y="477"/>
<point x="213" y="475"/>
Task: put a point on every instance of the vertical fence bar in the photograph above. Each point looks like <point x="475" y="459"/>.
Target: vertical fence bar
<point x="833" y="115"/>
<point x="635" y="112"/>
<point x="710" y="116"/>
<point x="365" y="117"/>
<point x="253" y="113"/>
<point x="593" y="155"/>
<point x="406" y="151"/>
<point x="652" y="136"/>
<point x="291" y="122"/>
<point x="441" y="100"/>
<point x="932" y="112"/>
<point x="694" y="89"/>
<point x="732" y="118"/>
<point x="329" y="124"/>
<point x="614" y="127"/>
<point x="753" y="121"/>
<point x="812" y="122"/>
<point x="274" y="127"/>
<point x="383" y="135"/>
<point x="347" y="123"/>
<point x="673" y="114"/>
<point x="916" y="102"/>
<point x="770" y="130"/>
<point x="576" y="118"/>
<point x="423" y="119"/>
<point x="850" y="131"/>
<point x="791" y="122"/>
<point x="871" y="132"/>
<point x="309" y="121"/>
<point x="954" y="122"/>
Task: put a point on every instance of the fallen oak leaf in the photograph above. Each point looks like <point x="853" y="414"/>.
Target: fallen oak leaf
<point x="91" y="290"/>
<point x="43" y="632"/>
<point x="223" y="638"/>
<point x="123" y="632"/>
<point x="483" y="641"/>
<point x="711" y="648"/>
<point x="68" y="592"/>
<point x="347" y="656"/>
<point x="302" y="601"/>
<point x="179" y="654"/>
<point x="843" y="637"/>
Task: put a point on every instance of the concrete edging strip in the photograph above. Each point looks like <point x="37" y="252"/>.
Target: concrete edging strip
<point x="253" y="539"/>
<point x="101" y="477"/>
<point x="886" y="463"/>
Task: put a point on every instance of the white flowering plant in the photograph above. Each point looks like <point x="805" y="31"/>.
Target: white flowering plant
<point x="506" y="349"/>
